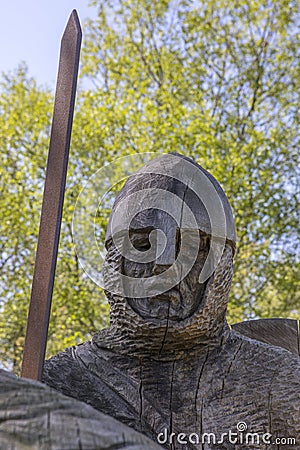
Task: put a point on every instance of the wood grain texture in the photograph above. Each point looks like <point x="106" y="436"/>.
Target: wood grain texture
<point x="282" y="333"/>
<point x="32" y="416"/>
<point x="206" y="391"/>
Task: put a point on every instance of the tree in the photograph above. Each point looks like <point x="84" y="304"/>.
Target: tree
<point x="25" y="114"/>
<point x="217" y="81"/>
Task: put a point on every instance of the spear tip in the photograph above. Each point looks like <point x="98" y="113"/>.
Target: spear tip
<point x="73" y="25"/>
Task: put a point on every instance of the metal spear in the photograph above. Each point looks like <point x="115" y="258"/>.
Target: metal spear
<point x="50" y="223"/>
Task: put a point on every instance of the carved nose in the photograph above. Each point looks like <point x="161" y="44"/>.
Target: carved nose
<point x="166" y="259"/>
<point x="166" y="254"/>
<point x="165" y="249"/>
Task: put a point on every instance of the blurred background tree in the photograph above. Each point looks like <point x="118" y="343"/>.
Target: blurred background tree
<point x="216" y="80"/>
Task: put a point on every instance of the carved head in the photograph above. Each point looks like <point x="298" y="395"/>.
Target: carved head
<point x="170" y="242"/>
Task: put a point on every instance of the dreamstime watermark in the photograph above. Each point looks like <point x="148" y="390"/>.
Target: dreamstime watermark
<point x="90" y="248"/>
<point x="239" y="436"/>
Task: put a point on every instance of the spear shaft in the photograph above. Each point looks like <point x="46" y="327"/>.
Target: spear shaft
<point x="51" y="214"/>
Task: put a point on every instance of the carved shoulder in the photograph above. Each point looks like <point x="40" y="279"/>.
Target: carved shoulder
<point x="35" y="416"/>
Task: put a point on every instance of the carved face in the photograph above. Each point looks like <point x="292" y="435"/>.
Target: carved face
<point x="193" y="307"/>
<point x="177" y="303"/>
<point x="181" y="301"/>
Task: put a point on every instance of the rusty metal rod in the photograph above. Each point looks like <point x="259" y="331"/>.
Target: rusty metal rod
<point x="50" y="224"/>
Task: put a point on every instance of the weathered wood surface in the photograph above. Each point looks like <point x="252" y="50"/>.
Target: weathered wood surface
<point x="209" y="390"/>
<point x="169" y="362"/>
<point x="32" y="416"/>
<point x="282" y="333"/>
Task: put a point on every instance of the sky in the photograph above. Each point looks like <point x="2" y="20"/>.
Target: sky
<point x="30" y="31"/>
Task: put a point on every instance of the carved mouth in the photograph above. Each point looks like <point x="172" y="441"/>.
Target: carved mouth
<point x="172" y="295"/>
<point x="171" y="305"/>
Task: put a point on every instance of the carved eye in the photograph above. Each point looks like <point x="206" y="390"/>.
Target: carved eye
<point x="140" y="241"/>
<point x="204" y="242"/>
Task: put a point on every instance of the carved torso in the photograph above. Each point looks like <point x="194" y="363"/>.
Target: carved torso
<point x="208" y="391"/>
